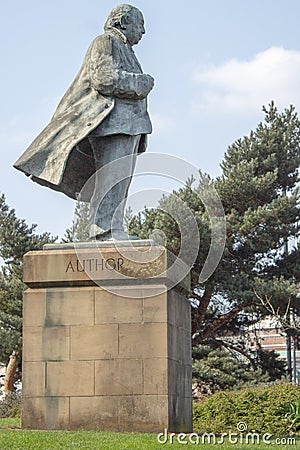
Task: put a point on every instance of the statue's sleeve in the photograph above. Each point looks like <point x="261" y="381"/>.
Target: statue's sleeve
<point x="109" y="78"/>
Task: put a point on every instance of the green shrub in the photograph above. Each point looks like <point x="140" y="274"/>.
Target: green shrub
<point x="10" y="406"/>
<point x="262" y="409"/>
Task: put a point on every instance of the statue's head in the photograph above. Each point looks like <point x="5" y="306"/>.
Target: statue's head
<point x="129" y="20"/>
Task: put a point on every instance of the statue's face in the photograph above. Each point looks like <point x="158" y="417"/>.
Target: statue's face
<point x="135" y="29"/>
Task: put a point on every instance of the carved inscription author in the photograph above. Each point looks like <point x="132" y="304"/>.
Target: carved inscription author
<point x="94" y="265"/>
<point x="102" y="117"/>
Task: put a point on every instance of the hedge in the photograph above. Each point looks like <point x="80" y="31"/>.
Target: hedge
<point x="262" y="409"/>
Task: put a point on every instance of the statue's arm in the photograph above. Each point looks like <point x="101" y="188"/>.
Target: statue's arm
<point x="109" y="78"/>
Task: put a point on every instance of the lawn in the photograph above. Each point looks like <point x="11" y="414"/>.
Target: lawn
<point x="12" y="437"/>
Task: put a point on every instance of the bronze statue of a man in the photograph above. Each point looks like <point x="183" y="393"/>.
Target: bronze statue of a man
<point x="102" y="117"/>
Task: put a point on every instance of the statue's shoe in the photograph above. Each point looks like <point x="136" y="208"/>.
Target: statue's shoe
<point x="116" y="235"/>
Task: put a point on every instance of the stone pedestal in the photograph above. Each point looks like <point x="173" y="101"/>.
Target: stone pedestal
<point x="107" y="341"/>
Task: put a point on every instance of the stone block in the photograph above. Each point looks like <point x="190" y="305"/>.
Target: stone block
<point x="34" y="307"/>
<point x="143" y="340"/>
<point x="174" y="377"/>
<point x="155" y="308"/>
<point x="46" y="413"/>
<point x="33" y="379"/>
<point x="70" y="306"/>
<point x="113" y="308"/>
<point x="156" y="376"/>
<point x="70" y="378"/>
<point x="143" y="413"/>
<point x="175" y="344"/>
<point x="179" y="310"/>
<point x="187" y="381"/>
<point x="56" y="343"/>
<point x="172" y="308"/>
<point x="186" y="355"/>
<point x="119" y="377"/>
<point x="180" y="414"/>
<point x="32" y="344"/>
<point x="186" y="314"/>
<point x="94" y="413"/>
<point x="180" y="379"/>
<point x="46" y="344"/>
<point x="85" y="265"/>
<point x="94" y="342"/>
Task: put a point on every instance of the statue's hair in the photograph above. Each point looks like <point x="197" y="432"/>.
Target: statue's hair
<point x="119" y="15"/>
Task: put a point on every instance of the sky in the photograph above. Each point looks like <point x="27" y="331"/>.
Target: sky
<point x="215" y="64"/>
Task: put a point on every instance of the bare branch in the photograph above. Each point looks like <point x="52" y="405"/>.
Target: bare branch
<point x="283" y="320"/>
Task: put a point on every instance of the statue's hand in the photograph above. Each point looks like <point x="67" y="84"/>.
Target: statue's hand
<point x="129" y="85"/>
<point x="150" y="82"/>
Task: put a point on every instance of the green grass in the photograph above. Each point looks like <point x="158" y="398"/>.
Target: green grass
<point x="13" y="438"/>
<point x="7" y="423"/>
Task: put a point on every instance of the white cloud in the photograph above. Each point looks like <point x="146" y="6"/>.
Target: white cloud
<point x="240" y="86"/>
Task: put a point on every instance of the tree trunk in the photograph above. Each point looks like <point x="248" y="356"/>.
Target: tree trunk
<point x="220" y="321"/>
<point x="10" y="374"/>
<point x="199" y="313"/>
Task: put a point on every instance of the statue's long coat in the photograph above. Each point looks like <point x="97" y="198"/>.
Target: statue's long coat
<point x="60" y="157"/>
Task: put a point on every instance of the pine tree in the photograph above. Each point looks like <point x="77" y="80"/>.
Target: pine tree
<point x="128" y="216"/>
<point x="16" y="239"/>
<point x="216" y="368"/>
<point x="79" y="231"/>
<point x="258" y="188"/>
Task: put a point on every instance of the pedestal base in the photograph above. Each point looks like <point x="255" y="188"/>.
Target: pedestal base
<point x="107" y="356"/>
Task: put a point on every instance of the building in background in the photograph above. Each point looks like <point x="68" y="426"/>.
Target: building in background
<point x="269" y="335"/>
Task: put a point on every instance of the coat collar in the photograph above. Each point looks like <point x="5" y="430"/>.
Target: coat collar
<point x="117" y="33"/>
